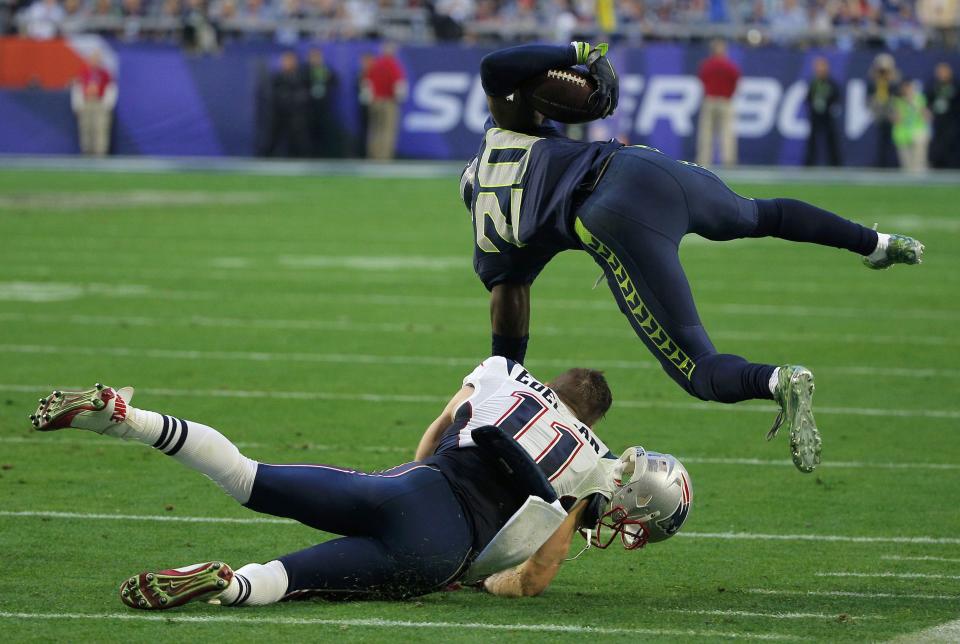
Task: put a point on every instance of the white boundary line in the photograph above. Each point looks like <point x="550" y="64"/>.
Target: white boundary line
<point x="390" y="449"/>
<point x="419" y="399"/>
<point x="727" y="536"/>
<point x="355" y="326"/>
<point x="848" y="593"/>
<point x="744" y="613"/>
<point x="465" y="362"/>
<point x="449" y="170"/>
<point x="920" y="558"/>
<point x="888" y="575"/>
<point x="391" y="623"/>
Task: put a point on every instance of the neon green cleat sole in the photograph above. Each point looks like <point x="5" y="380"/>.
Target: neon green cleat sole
<point x="794" y="392"/>
<point x="171" y="588"/>
<point x="900" y="250"/>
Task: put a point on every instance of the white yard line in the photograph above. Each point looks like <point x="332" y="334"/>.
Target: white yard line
<point x="235" y="619"/>
<point x="711" y="460"/>
<point x="390" y="449"/>
<point x="752" y="536"/>
<point x="420" y="399"/>
<point x="255" y="520"/>
<point x="464" y="362"/>
<point x="18" y="289"/>
<point x="355" y="326"/>
<point x="921" y="558"/>
<point x="888" y="575"/>
<point x="850" y="593"/>
<point x="744" y="613"/>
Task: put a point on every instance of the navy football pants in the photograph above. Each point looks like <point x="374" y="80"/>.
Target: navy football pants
<point x="405" y="533"/>
<point x="632" y="225"/>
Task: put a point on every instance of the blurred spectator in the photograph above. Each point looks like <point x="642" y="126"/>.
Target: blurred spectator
<point x="719" y="76"/>
<point x="387" y="86"/>
<point x="199" y="32"/>
<point x="882" y="89"/>
<point x="364" y="97"/>
<point x="448" y="17"/>
<point x="789" y="22"/>
<point x="290" y="97"/>
<point x="943" y="100"/>
<point x="823" y="104"/>
<point x="324" y="129"/>
<point x="42" y="19"/>
<point x="133" y="13"/>
<point x="93" y="97"/>
<point x="943" y="16"/>
<point x="911" y="129"/>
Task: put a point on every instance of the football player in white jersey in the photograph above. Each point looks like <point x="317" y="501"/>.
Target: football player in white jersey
<point x="503" y="479"/>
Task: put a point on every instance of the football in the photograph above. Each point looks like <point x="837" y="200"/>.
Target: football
<point x="561" y="94"/>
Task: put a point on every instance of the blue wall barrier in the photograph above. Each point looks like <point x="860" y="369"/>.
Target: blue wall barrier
<point x="173" y="103"/>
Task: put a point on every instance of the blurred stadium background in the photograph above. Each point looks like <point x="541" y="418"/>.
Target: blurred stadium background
<point x="317" y="78"/>
<point x="323" y="317"/>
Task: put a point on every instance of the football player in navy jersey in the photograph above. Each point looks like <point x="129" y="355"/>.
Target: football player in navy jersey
<point x="533" y="193"/>
<point x="502" y="480"/>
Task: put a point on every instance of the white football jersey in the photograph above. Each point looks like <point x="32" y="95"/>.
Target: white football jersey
<point x="569" y="453"/>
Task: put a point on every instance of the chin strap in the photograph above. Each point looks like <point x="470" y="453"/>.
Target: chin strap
<point x="589" y="537"/>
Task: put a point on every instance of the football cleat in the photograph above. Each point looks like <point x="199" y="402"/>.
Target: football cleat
<point x="96" y="409"/>
<point x="175" y="587"/>
<point x="900" y="250"/>
<point x="794" y="392"/>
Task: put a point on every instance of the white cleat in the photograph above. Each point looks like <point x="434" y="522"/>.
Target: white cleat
<point x="96" y="409"/>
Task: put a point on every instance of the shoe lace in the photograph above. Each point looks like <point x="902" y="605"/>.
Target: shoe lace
<point x="778" y="421"/>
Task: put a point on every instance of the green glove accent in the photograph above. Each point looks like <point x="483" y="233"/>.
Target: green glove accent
<point x="582" y="50"/>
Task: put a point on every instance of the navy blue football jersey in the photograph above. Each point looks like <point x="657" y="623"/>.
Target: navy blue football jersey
<point x="523" y="199"/>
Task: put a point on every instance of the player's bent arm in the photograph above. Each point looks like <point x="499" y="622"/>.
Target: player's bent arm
<point x="428" y="443"/>
<point x="534" y="575"/>
<point x="502" y="71"/>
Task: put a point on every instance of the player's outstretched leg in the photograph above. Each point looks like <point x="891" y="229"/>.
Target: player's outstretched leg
<point x="107" y="411"/>
<point x="794" y="392"/>
<point x="799" y="221"/>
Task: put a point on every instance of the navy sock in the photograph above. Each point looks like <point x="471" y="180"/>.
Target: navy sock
<point x="509" y="347"/>
<point x="726" y="378"/>
<point x="801" y="222"/>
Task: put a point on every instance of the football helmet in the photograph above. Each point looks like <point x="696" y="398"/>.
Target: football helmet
<point x="467" y="177"/>
<point x="650" y="503"/>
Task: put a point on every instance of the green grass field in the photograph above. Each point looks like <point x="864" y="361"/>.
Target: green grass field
<point x="328" y="319"/>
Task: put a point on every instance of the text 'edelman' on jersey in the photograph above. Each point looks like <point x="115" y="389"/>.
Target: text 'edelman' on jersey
<point x="522" y="199"/>
<point x="570" y="454"/>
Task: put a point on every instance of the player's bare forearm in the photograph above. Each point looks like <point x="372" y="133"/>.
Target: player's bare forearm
<point x="510" y="309"/>
<point x="534" y="575"/>
<point x="430" y="438"/>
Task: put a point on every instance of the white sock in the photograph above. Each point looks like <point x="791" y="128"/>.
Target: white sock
<point x="197" y="446"/>
<point x="774" y="378"/>
<point x="880" y="252"/>
<point x="256" y="585"/>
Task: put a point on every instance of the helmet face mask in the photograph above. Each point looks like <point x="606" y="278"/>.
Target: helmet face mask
<point x="651" y="503"/>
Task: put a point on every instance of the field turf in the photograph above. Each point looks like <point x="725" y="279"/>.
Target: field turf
<point x="328" y="319"/>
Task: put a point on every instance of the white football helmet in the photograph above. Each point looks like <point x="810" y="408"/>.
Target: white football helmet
<point x="651" y="502"/>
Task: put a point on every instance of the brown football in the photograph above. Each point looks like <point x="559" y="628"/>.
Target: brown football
<point x="561" y="94"/>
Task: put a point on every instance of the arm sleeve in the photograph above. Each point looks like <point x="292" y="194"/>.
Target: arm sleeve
<point x="501" y="72"/>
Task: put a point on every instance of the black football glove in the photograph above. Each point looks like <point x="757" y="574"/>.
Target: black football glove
<point x="604" y="100"/>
